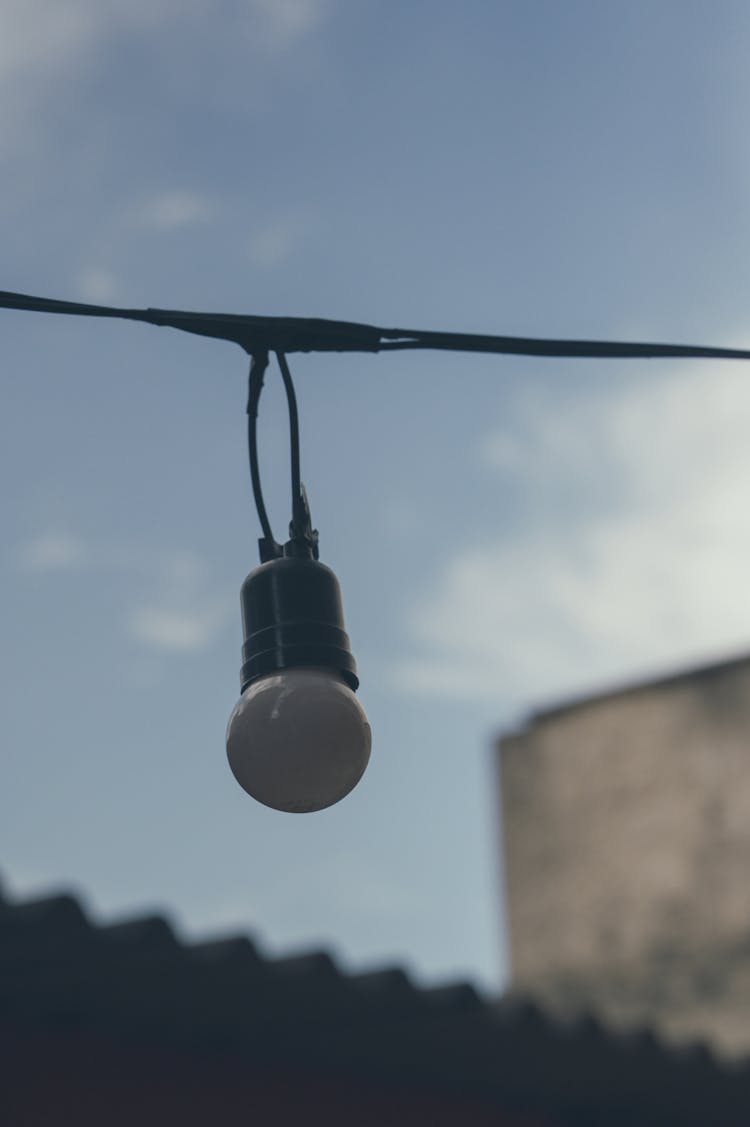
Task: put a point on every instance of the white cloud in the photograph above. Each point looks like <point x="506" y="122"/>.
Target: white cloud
<point x="187" y="629"/>
<point x="655" y="578"/>
<point x="283" y="22"/>
<point x="275" y="242"/>
<point x="37" y="34"/>
<point x="172" y="210"/>
<point x="97" y="285"/>
<point x="183" y="570"/>
<point x="43" y="38"/>
<point x="182" y="615"/>
<point x="53" y="551"/>
<point x="175" y="609"/>
<point x="47" y="44"/>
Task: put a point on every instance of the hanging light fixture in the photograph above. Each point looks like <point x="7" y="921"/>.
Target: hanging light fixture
<point x="298" y="739"/>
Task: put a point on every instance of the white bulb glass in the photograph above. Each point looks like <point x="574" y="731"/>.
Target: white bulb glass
<point x="298" y="740"/>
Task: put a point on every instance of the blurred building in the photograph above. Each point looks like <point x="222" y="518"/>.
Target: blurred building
<point x="626" y="826"/>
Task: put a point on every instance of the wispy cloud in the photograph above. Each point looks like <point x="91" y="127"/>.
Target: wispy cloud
<point x="46" y="44"/>
<point x="42" y="38"/>
<point x="186" y="629"/>
<point x="277" y="240"/>
<point x="284" y="22"/>
<point x="171" y="210"/>
<point x="175" y="606"/>
<point x="651" y="575"/>
<point x="53" y="551"/>
<point x="96" y="284"/>
<point x="40" y="33"/>
<point x="182" y="612"/>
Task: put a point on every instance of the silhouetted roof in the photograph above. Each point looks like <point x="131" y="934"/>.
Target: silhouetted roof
<point x="137" y="980"/>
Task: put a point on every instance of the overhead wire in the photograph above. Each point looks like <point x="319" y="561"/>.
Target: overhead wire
<point x="310" y="334"/>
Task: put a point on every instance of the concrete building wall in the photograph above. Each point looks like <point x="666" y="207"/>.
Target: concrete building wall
<point x="626" y="824"/>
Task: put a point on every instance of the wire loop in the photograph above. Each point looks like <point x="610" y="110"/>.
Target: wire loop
<point x="303" y="539"/>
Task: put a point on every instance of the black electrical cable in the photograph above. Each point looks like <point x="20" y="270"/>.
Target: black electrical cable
<point x="308" y="334"/>
<point x="299" y="528"/>
<point x="298" y="506"/>
<point x="258" y="366"/>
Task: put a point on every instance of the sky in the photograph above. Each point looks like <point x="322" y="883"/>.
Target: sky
<point x="507" y="532"/>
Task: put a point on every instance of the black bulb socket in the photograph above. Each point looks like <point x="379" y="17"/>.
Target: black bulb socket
<point x="292" y="616"/>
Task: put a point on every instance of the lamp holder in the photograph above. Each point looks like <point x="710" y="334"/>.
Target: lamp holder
<point x="291" y="617"/>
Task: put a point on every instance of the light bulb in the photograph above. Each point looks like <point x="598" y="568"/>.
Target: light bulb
<point x="298" y="739"/>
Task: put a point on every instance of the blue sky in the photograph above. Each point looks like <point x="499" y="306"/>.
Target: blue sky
<point x="506" y="531"/>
